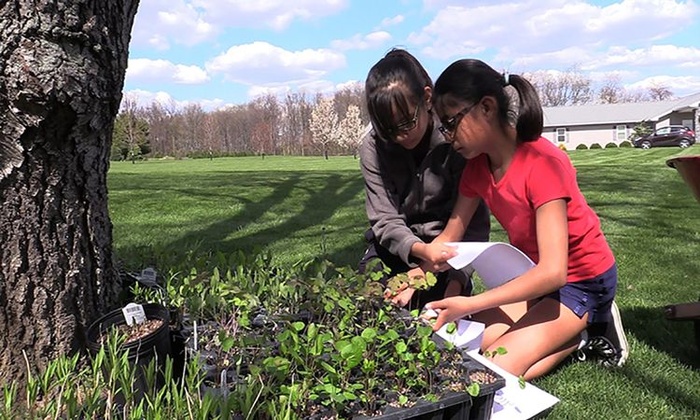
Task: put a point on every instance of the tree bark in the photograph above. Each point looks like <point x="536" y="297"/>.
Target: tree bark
<point x="62" y="68"/>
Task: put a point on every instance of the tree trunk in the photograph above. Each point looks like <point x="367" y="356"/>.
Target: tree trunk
<point x="62" y="68"/>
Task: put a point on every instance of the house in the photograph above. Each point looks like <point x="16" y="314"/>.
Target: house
<point x="571" y="126"/>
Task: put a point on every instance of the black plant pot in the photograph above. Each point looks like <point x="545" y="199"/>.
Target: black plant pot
<point x="154" y="346"/>
<point x="454" y="406"/>
<point x="482" y="404"/>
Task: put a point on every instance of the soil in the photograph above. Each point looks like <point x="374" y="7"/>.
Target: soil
<point x="137" y="331"/>
<point x="482" y="377"/>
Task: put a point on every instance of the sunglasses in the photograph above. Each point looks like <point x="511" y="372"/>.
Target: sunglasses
<point x="449" y="127"/>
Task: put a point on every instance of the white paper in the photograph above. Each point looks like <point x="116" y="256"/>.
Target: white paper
<point x="467" y="335"/>
<point x="513" y="402"/>
<point x="495" y="262"/>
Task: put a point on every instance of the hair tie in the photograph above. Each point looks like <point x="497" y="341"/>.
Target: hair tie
<point x="506" y="78"/>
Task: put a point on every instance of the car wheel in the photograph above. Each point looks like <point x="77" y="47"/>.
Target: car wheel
<point x="645" y="145"/>
<point x="684" y="143"/>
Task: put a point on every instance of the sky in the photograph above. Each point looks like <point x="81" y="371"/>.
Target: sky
<point x="218" y="53"/>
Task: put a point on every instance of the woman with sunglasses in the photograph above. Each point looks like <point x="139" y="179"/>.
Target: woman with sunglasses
<point x="411" y="176"/>
<point x="530" y="185"/>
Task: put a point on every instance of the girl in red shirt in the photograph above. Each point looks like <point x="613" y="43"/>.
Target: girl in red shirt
<point x="530" y="186"/>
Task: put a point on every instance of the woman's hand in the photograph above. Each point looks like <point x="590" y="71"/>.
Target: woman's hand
<point x="403" y="296"/>
<point x="435" y="256"/>
<point x="448" y="310"/>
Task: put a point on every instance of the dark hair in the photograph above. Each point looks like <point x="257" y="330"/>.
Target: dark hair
<point x="397" y="80"/>
<point x="469" y="80"/>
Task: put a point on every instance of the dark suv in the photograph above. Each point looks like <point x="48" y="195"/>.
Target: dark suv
<point x="672" y="135"/>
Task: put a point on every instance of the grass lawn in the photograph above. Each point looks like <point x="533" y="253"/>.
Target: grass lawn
<point x="299" y="207"/>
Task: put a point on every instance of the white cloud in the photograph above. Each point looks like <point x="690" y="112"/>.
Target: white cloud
<point x="664" y="55"/>
<point x="144" y="69"/>
<point x="362" y="42"/>
<point x="275" y="14"/>
<point x="159" y="23"/>
<point x="144" y="98"/>
<point x="350" y="84"/>
<point x="392" y="21"/>
<point x="264" y="64"/>
<point x="679" y="85"/>
<point x="556" y="28"/>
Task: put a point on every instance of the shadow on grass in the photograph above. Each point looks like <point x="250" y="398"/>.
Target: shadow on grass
<point x="667" y="389"/>
<point x="269" y="207"/>
<point x="675" y="338"/>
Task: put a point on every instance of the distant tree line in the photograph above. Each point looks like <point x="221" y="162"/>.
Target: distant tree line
<point x="572" y="87"/>
<point x="301" y="124"/>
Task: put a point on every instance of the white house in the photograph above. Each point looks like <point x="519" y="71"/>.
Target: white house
<point x="571" y="126"/>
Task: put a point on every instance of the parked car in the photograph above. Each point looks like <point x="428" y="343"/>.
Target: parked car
<point x="672" y="135"/>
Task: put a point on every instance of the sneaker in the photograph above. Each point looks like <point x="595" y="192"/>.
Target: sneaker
<point x="611" y="348"/>
<point x="579" y="354"/>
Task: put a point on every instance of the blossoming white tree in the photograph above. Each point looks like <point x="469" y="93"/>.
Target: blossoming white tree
<point x="351" y="129"/>
<point x="324" y="124"/>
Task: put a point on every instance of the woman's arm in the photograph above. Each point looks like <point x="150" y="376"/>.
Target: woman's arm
<point x="382" y="206"/>
<point x="547" y="276"/>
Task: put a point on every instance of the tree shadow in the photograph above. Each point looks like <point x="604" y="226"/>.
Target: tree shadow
<point x="303" y="202"/>
<point x="675" y="338"/>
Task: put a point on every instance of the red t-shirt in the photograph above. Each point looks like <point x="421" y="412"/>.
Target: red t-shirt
<point x="539" y="173"/>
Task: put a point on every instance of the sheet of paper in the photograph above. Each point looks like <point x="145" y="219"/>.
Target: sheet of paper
<point x="495" y="262"/>
<point x="513" y="402"/>
<point x="467" y="335"/>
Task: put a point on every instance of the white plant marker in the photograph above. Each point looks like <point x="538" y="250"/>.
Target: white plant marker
<point x="134" y="314"/>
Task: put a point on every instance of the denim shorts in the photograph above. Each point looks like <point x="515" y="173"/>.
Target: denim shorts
<point x="593" y="296"/>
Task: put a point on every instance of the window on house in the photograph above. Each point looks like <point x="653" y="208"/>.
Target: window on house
<point x="562" y="135"/>
<point x="621" y="132"/>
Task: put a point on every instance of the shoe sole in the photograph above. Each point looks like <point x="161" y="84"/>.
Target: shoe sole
<point x="621" y="337"/>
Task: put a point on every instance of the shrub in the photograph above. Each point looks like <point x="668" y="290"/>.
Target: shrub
<point x="581" y="147"/>
<point x="611" y="145"/>
<point x="625" y="143"/>
<point x="596" y="146"/>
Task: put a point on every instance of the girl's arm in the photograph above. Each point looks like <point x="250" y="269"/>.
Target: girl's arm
<point x="436" y="252"/>
<point x="547" y="276"/>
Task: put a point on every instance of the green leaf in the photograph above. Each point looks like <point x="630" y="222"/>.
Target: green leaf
<point x="353" y="352"/>
<point x="430" y="279"/>
<point x="473" y="389"/>
<point x="227" y="344"/>
<point x="369" y="333"/>
<point x="311" y="332"/>
<point x="451" y="328"/>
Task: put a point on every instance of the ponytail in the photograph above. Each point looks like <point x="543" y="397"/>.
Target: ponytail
<point x="469" y="80"/>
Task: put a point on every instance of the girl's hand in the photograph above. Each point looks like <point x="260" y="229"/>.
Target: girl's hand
<point x="448" y="310"/>
<point x="403" y="297"/>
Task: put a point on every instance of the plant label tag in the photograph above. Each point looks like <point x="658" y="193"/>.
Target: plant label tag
<point x="148" y="276"/>
<point x="134" y="314"/>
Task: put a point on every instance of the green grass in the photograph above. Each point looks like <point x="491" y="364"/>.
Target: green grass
<point x="299" y="207"/>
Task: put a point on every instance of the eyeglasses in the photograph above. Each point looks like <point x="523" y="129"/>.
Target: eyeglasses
<point x="448" y="127"/>
<point x="405" y="126"/>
